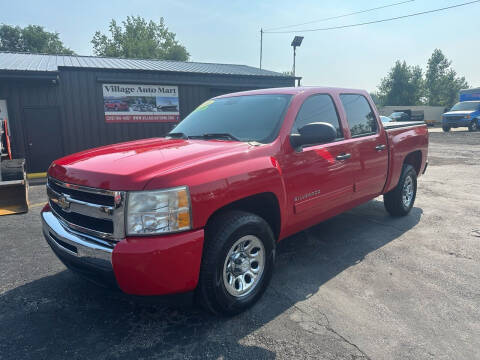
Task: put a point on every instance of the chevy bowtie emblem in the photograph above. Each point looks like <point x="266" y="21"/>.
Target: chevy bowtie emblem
<point x="63" y="203"/>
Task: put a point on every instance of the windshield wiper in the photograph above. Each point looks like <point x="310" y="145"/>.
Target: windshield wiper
<point x="178" y="135"/>
<point x="224" y="136"/>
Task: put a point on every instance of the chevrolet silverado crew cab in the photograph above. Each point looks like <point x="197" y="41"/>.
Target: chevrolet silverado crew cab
<point x="202" y="209"/>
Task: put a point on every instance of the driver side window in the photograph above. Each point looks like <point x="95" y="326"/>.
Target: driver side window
<point x="318" y="108"/>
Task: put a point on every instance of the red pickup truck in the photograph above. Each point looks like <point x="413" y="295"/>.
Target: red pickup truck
<point x="202" y="209"/>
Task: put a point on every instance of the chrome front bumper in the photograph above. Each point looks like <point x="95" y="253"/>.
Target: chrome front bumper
<point x="80" y="252"/>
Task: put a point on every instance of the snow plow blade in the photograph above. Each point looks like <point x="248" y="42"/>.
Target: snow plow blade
<point x="13" y="187"/>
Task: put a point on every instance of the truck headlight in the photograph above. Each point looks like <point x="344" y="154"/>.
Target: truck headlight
<point x="158" y="211"/>
<point x="467" y="117"/>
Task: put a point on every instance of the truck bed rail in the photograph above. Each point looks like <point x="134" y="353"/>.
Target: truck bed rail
<point x="402" y="124"/>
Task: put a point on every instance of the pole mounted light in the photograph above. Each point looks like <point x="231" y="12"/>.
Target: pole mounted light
<point x="296" y="42"/>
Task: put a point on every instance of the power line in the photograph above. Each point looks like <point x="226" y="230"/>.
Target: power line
<point x="372" y="22"/>
<point x="338" y="16"/>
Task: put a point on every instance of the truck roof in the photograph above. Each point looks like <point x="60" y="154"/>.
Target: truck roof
<point x="470" y="91"/>
<point x="297" y="90"/>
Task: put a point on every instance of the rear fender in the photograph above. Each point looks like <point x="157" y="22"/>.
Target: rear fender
<point x="406" y="145"/>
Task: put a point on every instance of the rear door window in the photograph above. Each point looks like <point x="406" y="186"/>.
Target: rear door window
<point x="360" y="116"/>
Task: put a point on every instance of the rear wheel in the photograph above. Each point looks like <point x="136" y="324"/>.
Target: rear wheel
<point x="237" y="262"/>
<point x="400" y="200"/>
<point x="446" y="128"/>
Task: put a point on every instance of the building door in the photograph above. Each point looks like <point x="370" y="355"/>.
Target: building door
<point x="43" y="136"/>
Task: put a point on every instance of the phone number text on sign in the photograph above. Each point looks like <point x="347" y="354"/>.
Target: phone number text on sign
<point x="141" y="118"/>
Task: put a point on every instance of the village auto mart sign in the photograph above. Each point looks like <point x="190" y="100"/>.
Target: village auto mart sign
<point x="131" y="103"/>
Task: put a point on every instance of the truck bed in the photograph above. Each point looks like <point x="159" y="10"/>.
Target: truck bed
<point x="405" y="138"/>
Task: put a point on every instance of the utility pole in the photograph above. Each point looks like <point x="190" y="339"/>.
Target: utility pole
<point x="261" y="46"/>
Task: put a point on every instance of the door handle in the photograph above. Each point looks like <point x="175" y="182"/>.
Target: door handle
<point x="343" y="156"/>
<point x="380" y="147"/>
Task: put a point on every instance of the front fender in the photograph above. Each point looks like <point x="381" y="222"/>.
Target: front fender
<point x="243" y="179"/>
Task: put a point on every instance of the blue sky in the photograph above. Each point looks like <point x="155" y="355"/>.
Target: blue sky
<point x="228" y="32"/>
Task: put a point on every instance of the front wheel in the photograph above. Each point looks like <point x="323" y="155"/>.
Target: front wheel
<point x="446" y="128"/>
<point x="473" y="125"/>
<point x="400" y="200"/>
<point x="237" y="263"/>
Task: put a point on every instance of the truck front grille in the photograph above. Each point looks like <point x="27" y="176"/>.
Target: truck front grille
<point x="454" y="118"/>
<point x="95" y="198"/>
<point x="92" y="211"/>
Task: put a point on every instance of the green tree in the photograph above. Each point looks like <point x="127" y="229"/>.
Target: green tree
<point x="137" y="38"/>
<point x="402" y="86"/>
<point x="441" y="81"/>
<point x="33" y="39"/>
<point x="375" y="98"/>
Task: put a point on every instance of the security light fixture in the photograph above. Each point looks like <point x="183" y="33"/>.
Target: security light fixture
<point x="297" y="41"/>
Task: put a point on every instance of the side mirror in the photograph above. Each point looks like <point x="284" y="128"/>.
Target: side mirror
<point x="313" y="133"/>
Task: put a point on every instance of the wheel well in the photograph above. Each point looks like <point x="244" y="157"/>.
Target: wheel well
<point x="264" y="205"/>
<point x="414" y="159"/>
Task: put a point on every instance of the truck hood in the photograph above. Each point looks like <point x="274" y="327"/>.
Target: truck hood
<point x="460" y="112"/>
<point x="130" y="165"/>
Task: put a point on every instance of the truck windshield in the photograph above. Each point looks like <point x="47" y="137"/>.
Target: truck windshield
<point x="466" y="106"/>
<point x="243" y="118"/>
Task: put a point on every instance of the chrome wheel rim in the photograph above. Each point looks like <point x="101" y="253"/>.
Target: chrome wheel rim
<point x="244" y="265"/>
<point x="407" y="191"/>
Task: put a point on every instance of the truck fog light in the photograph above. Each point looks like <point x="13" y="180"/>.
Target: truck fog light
<point x="158" y="211"/>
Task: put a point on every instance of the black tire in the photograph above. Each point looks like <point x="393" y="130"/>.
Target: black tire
<point x="446" y="128"/>
<point x="393" y="200"/>
<point x="473" y="125"/>
<point x="222" y="233"/>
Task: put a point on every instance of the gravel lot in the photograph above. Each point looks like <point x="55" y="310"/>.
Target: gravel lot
<point x="362" y="285"/>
